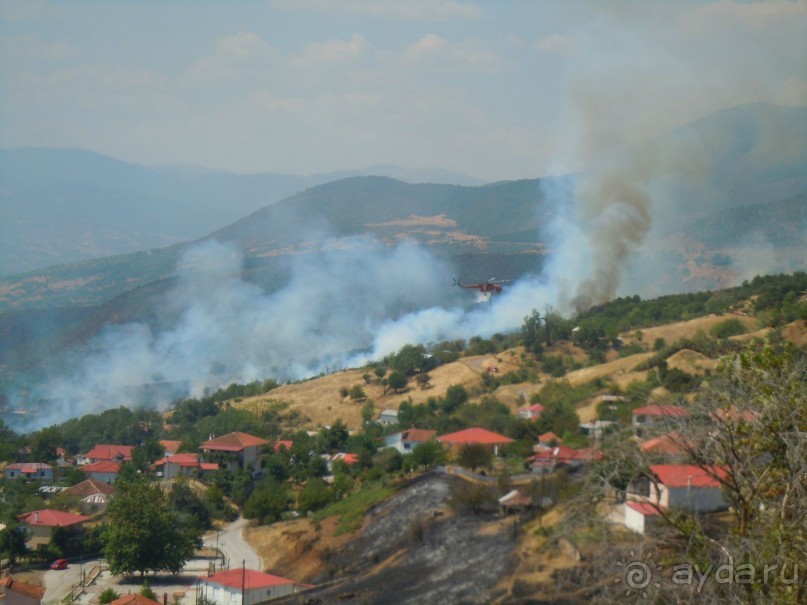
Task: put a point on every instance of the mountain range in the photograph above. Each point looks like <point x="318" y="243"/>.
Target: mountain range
<point x="735" y="203"/>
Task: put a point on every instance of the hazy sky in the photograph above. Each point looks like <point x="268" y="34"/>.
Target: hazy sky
<point x="496" y="90"/>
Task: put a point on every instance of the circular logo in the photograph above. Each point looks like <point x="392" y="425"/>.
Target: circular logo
<point x="639" y="575"/>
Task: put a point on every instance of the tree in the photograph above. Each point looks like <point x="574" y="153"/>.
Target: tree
<point x="107" y="596"/>
<point x="428" y="454"/>
<point x="268" y="502"/>
<point x="474" y="455"/>
<point x="144" y="534"/>
<point x="314" y="495"/>
<point x="397" y="381"/>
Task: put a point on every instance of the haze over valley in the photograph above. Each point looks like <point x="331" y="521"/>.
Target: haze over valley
<point x="137" y="276"/>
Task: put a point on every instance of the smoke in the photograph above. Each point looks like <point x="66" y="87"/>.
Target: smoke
<point x="357" y="300"/>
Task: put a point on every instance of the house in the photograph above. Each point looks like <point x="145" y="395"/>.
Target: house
<point x="348" y="459"/>
<point x="134" y="599"/>
<point x="282" y="444"/>
<point x="474" y="435"/>
<point x="235" y="450"/>
<point x="30" y="470"/>
<point x="532" y="412"/>
<point x="547" y="440"/>
<point x="388" y="417"/>
<point x="246" y="587"/>
<point x="106" y="453"/>
<point x="596" y="428"/>
<point x="562" y="456"/>
<point x="104" y="471"/>
<point x="648" y="416"/>
<point x="41" y="523"/>
<point x="639" y="516"/>
<point x="94" y="495"/>
<point x="680" y="486"/>
<point x="406" y="441"/>
<point x="187" y="465"/>
<point x="17" y="592"/>
<point x="668" y="444"/>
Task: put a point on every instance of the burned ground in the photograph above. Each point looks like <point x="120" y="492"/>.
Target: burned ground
<point x="413" y="548"/>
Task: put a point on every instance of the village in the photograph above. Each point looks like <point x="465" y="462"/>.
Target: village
<point x="495" y="446"/>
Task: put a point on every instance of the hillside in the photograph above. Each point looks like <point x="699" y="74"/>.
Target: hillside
<point x="62" y="206"/>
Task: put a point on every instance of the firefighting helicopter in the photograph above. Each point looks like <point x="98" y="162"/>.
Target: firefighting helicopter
<point x="485" y="288"/>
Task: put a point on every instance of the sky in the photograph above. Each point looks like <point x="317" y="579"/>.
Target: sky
<point x="495" y="90"/>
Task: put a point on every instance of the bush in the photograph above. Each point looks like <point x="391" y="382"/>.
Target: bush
<point x="107" y="596"/>
<point x="730" y="327"/>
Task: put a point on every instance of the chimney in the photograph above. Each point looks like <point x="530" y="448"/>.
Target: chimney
<point x="165" y="598"/>
<point x="36" y="516"/>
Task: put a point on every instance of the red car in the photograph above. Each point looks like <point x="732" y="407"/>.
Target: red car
<point x="59" y="564"/>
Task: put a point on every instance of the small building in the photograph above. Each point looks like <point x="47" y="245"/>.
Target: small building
<point x="134" y="599"/>
<point x="639" y="516"/>
<point x="668" y="445"/>
<point x="596" y="428"/>
<point x="648" y="416"/>
<point x="546" y="441"/>
<point x="94" y="495"/>
<point x="406" y="441"/>
<point x="17" y="592"/>
<point x="41" y="523"/>
<point x="680" y="486"/>
<point x="246" y="587"/>
<point x="388" y="417"/>
<point x="104" y="471"/>
<point x="234" y="450"/>
<point x="187" y="465"/>
<point x="562" y="456"/>
<point x="282" y="444"/>
<point x="514" y="501"/>
<point x="477" y="436"/>
<point x="532" y="412"/>
<point x="38" y="471"/>
<point x="107" y="453"/>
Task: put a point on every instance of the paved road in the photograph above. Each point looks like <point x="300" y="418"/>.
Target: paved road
<point x="236" y="550"/>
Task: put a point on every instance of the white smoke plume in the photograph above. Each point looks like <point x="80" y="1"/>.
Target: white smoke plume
<point x="627" y="82"/>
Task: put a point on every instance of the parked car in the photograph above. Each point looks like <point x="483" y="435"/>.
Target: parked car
<point x="59" y="564"/>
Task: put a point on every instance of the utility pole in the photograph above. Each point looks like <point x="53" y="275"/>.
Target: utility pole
<point x="243" y="579"/>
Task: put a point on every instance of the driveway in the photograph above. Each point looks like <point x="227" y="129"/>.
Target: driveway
<point x="234" y="548"/>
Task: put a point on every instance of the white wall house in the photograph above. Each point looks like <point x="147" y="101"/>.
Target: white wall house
<point x="406" y="441"/>
<point x="639" y="516"/>
<point x="681" y="486"/>
<point x="227" y="587"/>
<point x="30" y="470"/>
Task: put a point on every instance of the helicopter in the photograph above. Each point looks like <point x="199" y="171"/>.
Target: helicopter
<point x="486" y="288"/>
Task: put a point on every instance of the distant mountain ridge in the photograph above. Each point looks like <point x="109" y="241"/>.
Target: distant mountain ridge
<point x="60" y="206"/>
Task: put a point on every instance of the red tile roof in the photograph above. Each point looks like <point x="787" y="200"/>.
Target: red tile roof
<point x="531" y="411"/>
<point x="249" y="578"/>
<point x="418" y="435"/>
<point x="669" y="443"/>
<point x="110" y="452"/>
<point x="233" y="442"/>
<point x="89" y="487"/>
<point x="29" y="467"/>
<point x="673" y="411"/>
<point x="51" y="518"/>
<point x="475" y="435"/>
<point x="645" y="508"/>
<point x="24" y="588"/>
<point x="283" y="443"/>
<point x="134" y="599"/>
<point x="105" y="466"/>
<point x="549" y="437"/>
<point x="687" y="475"/>
<point x="563" y="453"/>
